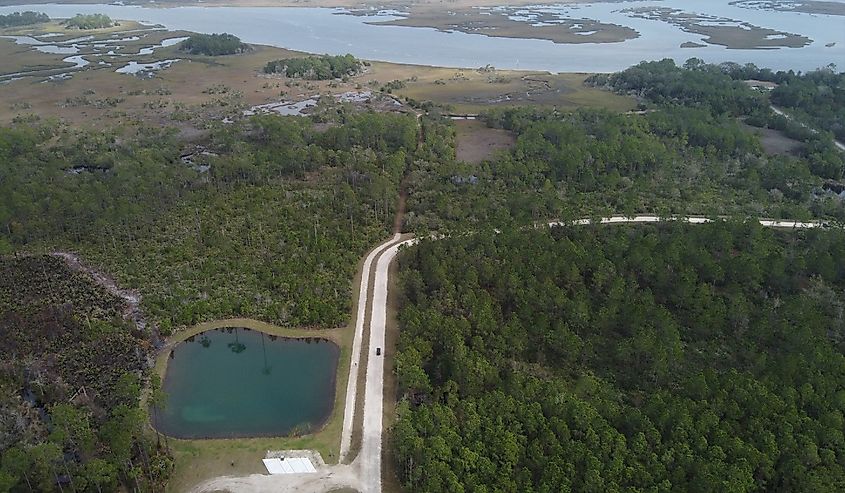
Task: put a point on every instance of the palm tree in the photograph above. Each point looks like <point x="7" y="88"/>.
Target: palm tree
<point x="266" y="370"/>
<point x="237" y="347"/>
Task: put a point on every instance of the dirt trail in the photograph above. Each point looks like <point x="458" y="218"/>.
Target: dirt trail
<point x="836" y="143"/>
<point x="131" y="297"/>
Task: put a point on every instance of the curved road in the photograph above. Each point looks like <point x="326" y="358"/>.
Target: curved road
<point x="352" y="383"/>
<point x="365" y="472"/>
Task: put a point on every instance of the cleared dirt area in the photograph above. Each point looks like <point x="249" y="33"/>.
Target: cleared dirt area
<point x="477" y="142"/>
<point x="774" y="142"/>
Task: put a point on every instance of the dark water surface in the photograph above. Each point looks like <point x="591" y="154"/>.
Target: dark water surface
<point x="245" y="383"/>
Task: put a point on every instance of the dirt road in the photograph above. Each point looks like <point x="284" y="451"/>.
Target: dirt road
<point x="352" y="384"/>
<point x="370" y="456"/>
<point x="365" y="472"/>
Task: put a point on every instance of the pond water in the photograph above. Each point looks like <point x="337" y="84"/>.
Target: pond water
<point x="238" y="382"/>
<point x="319" y="30"/>
<point x="134" y="67"/>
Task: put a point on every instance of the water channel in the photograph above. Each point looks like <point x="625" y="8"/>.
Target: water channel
<point x="322" y="30"/>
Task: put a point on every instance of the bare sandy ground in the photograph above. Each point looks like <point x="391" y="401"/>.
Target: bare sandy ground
<point x="333" y="477"/>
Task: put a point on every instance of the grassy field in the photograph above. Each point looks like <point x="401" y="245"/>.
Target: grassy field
<point x="473" y="90"/>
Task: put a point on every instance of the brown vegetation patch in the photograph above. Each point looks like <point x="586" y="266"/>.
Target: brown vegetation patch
<point x="775" y="142"/>
<point x="477" y="142"/>
<point x="730" y="33"/>
<point x="497" y="24"/>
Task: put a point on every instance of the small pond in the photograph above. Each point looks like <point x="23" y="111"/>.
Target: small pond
<point x="237" y="382"/>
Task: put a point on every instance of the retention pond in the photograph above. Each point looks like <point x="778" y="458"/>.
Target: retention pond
<point x="237" y="382"/>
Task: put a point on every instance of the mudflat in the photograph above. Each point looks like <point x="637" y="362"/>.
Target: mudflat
<point x="499" y="23"/>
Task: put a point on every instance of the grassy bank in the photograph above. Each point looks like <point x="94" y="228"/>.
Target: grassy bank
<point x="197" y="460"/>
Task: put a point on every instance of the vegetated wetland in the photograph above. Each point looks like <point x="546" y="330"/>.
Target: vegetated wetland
<point x="228" y="85"/>
<point x="235" y="382"/>
<point x="722" y="27"/>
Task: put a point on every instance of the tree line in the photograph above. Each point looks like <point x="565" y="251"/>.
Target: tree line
<point x="816" y="97"/>
<point x="673" y="160"/>
<point x="23" y="18"/>
<point x="90" y="21"/>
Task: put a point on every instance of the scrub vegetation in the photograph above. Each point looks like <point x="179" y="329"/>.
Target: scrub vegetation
<point x="658" y="358"/>
<point x="70" y="383"/>
<point x="686" y="152"/>
<point x="272" y="229"/>
<point x="655" y="358"/>
<point x="720" y="90"/>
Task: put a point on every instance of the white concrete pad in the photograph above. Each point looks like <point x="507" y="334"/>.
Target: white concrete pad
<point x="289" y="465"/>
<point x="274" y="466"/>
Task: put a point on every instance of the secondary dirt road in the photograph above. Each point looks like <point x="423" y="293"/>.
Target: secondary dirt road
<point x="839" y="145"/>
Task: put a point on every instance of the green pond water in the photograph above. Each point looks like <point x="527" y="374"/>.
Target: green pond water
<point x="245" y="383"/>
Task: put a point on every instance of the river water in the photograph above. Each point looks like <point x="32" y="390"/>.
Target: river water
<point x="320" y="30"/>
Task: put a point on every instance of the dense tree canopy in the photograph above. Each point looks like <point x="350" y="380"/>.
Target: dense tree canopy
<point x="22" y="18"/>
<point x="674" y="160"/>
<point x="213" y="44"/>
<point x="321" y="67"/>
<point x="817" y="98"/>
<point x="269" y="225"/>
<point x="91" y="21"/>
<point x="670" y="358"/>
<point x="695" y="84"/>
